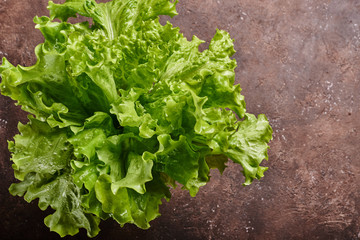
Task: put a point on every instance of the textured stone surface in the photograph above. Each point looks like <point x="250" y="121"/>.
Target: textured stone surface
<point x="298" y="62"/>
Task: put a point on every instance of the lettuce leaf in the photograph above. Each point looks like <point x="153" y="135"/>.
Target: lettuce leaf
<point x="122" y="110"/>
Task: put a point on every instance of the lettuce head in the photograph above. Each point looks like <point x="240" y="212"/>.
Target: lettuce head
<point x="122" y="109"/>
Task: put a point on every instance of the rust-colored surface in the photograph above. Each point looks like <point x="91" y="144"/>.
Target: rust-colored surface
<point x="299" y="63"/>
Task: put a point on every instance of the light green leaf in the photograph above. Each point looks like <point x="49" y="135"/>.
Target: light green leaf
<point x="248" y="146"/>
<point x="39" y="148"/>
<point x="180" y="162"/>
<point x="116" y="204"/>
<point x="62" y="195"/>
<point x="137" y="174"/>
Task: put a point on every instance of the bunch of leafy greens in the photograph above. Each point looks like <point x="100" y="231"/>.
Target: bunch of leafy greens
<point x="123" y="109"/>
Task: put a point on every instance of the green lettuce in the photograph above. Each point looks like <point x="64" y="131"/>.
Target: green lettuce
<point x="123" y="109"/>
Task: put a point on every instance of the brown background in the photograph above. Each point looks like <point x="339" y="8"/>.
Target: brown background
<point x="298" y="62"/>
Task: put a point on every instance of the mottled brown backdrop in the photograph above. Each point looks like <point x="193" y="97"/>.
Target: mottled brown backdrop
<point x="299" y="63"/>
